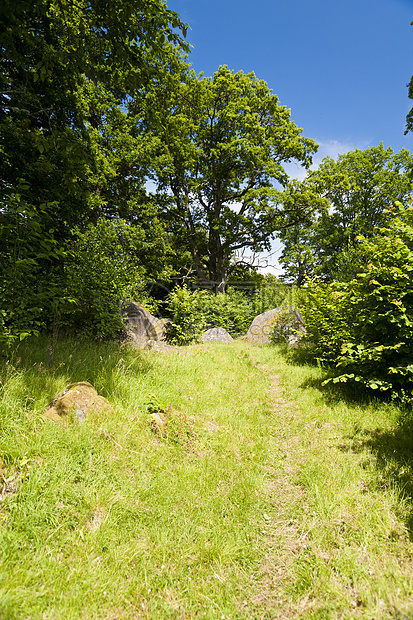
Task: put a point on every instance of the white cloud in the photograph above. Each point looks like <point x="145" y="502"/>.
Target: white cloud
<point x="334" y="148"/>
<point x="329" y="148"/>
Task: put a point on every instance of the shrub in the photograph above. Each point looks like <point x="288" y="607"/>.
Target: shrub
<point x="101" y="272"/>
<point x="364" y="327"/>
<point x="270" y="294"/>
<point x="30" y="268"/>
<point x="187" y="319"/>
<point x="193" y="312"/>
<point x="231" y="310"/>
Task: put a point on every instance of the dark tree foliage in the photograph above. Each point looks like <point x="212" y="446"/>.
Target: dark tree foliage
<point x="66" y="68"/>
<point x="68" y="152"/>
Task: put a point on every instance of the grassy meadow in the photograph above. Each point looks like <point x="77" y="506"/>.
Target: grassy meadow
<point x="268" y="497"/>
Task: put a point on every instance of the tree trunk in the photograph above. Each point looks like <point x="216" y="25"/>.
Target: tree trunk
<point x="218" y="271"/>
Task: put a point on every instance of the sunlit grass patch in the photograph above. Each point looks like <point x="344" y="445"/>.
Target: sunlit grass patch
<point x="114" y="513"/>
<point x="267" y="498"/>
<point x="351" y="553"/>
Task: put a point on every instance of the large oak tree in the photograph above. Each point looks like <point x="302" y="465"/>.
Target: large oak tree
<point x="223" y="142"/>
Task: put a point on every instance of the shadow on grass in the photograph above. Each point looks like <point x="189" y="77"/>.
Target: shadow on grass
<point x="71" y="359"/>
<point x="334" y="393"/>
<point x="393" y="451"/>
<point x="391" y="447"/>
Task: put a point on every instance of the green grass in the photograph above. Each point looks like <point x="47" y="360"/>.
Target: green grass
<point x="271" y="497"/>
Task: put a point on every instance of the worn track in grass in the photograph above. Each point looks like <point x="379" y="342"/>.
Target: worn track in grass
<point x="269" y="498"/>
<point x="315" y="529"/>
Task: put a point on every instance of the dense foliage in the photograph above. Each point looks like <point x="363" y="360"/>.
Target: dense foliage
<point x="69" y="152"/>
<point x="357" y="189"/>
<point x="104" y="268"/>
<point x="363" y="329"/>
<point x="192" y="312"/>
<point x="223" y="140"/>
<point x="30" y="266"/>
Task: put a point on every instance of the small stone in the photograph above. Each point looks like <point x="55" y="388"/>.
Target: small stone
<point x="216" y="334"/>
<point x="158" y="422"/>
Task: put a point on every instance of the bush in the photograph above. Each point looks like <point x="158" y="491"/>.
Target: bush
<point x="364" y="327"/>
<point x="30" y="268"/>
<point x="102" y="272"/>
<point x="231" y="310"/>
<point x="193" y="312"/>
<point x="187" y="319"/>
<point x="270" y="294"/>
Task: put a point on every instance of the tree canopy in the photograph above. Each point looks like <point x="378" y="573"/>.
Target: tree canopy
<point x="357" y="188"/>
<point x="221" y="154"/>
<point x="66" y="68"/>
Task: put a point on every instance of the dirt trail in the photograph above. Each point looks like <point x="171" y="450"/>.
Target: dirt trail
<point x="283" y="534"/>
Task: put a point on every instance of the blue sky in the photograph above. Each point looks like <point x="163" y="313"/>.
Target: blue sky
<point x="340" y="65"/>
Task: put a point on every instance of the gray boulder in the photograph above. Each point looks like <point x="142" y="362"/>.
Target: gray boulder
<point x="141" y="326"/>
<point x="216" y="334"/>
<point x="285" y="322"/>
<point x="261" y="327"/>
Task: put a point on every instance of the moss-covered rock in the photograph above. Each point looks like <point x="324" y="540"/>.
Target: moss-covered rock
<point x="77" y="402"/>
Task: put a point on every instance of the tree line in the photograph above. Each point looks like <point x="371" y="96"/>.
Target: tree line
<point x="98" y="102"/>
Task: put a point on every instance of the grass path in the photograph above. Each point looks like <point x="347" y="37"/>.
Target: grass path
<point x="267" y="498"/>
<point x="342" y="548"/>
